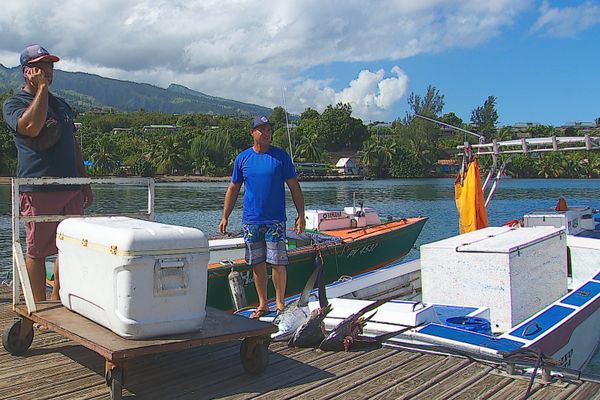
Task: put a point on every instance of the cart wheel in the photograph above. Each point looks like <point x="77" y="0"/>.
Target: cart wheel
<point x="12" y="341"/>
<point x="254" y="355"/>
<point x="114" y="380"/>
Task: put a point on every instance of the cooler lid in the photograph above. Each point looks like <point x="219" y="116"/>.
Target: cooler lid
<point x="130" y="236"/>
<point x="502" y="239"/>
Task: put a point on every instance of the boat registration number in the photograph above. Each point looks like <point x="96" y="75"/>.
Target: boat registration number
<point x="332" y="215"/>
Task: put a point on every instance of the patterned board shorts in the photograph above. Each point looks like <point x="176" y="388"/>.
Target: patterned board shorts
<point x="266" y="242"/>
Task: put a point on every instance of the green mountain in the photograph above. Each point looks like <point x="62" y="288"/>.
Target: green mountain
<point x="85" y="91"/>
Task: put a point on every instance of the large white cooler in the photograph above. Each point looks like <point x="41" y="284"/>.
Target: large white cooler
<point x="585" y="256"/>
<point x="138" y="278"/>
<point x="513" y="271"/>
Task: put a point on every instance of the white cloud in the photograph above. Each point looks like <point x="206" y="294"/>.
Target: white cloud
<point x="371" y="95"/>
<point x="568" y="21"/>
<point x="248" y="50"/>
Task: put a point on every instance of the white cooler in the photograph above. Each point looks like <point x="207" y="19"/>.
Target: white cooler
<point x="138" y="278"/>
<point x="514" y="272"/>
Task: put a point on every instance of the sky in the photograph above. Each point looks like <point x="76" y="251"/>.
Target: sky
<point x="540" y="59"/>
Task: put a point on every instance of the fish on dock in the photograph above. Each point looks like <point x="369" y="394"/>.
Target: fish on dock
<point x="296" y="313"/>
<point x="312" y="332"/>
<point x="349" y="332"/>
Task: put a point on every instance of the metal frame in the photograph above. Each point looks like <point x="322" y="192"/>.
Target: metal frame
<point x="115" y="350"/>
<point x="20" y="275"/>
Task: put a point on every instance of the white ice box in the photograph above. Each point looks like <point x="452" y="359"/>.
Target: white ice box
<point x="584" y="249"/>
<point x="138" y="278"/>
<point x="513" y="271"/>
<point x="574" y="220"/>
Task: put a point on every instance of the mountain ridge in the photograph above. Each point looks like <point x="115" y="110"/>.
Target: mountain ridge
<point x="85" y="91"/>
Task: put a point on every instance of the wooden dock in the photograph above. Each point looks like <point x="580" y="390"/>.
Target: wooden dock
<point x="56" y="368"/>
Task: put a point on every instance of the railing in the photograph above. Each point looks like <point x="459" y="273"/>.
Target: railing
<point x="20" y="275"/>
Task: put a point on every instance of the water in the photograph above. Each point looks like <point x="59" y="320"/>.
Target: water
<point x="200" y="205"/>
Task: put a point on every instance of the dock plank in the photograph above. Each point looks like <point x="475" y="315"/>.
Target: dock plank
<point x="455" y="383"/>
<point x="323" y="370"/>
<point x="280" y="372"/>
<point x="429" y="377"/>
<point x="586" y="391"/>
<point x="346" y="383"/>
<point x="57" y="368"/>
<point x="483" y="387"/>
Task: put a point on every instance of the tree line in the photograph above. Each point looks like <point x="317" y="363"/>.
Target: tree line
<point x="204" y="144"/>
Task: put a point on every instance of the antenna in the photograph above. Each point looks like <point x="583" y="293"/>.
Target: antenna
<point x="287" y="125"/>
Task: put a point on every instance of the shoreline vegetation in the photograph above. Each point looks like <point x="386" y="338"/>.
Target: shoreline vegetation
<point x="197" y="147"/>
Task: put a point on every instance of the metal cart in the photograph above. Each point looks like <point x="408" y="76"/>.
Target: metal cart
<point x="218" y="326"/>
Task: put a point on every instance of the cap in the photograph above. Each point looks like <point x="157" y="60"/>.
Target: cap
<point x="260" y="120"/>
<point x="35" y="53"/>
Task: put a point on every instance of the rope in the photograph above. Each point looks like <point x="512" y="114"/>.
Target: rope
<point x="538" y="364"/>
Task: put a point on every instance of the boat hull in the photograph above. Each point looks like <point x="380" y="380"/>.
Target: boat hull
<point x="359" y="250"/>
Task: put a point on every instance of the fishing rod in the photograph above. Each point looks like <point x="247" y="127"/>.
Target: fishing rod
<point x="480" y="137"/>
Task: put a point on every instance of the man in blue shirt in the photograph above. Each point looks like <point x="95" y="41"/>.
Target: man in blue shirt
<point x="264" y="169"/>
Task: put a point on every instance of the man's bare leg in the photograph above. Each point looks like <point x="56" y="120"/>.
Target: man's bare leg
<point x="260" y="282"/>
<point x="36" y="268"/>
<point x="56" y="287"/>
<point x="279" y="281"/>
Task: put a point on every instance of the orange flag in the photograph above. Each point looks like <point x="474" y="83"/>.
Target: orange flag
<point x="469" y="199"/>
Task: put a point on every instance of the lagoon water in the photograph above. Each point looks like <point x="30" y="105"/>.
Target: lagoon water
<point x="199" y="204"/>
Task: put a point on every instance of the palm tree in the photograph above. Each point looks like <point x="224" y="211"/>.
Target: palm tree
<point x="103" y="154"/>
<point x="589" y="165"/>
<point x="309" y="149"/>
<point x="169" y="154"/>
<point x="549" y="165"/>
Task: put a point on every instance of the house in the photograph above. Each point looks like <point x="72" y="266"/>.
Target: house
<point x="447" y="167"/>
<point x="116" y="130"/>
<point x="150" y="128"/>
<point x="347" y="166"/>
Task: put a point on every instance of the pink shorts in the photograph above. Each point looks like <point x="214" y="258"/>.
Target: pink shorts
<point x="41" y="236"/>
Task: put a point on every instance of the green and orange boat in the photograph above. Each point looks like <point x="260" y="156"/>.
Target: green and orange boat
<point x="350" y="241"/>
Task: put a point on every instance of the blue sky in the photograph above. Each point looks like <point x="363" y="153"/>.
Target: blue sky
<point x="538" y="58"/>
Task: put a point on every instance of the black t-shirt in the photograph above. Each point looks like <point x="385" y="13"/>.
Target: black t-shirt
<point x="58" y="160"/>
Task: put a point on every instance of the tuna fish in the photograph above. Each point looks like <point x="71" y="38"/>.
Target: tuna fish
<point x="349" y="332"/>
<point x="296" y="313"/>
<point x="349" y="329"/>
<point x="312" y="332"/>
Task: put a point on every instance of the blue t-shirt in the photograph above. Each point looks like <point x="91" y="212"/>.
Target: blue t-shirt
<point x="264" y="176"/>
<point x="57" y="161"/>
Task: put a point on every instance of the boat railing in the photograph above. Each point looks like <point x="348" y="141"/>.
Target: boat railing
<point x="20" y="275"/>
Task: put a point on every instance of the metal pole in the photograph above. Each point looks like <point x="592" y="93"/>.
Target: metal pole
<point x="15" y="237"/>
<point x="287" y="125"/>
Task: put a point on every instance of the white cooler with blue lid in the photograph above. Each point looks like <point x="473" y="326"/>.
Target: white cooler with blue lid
<point x="513" y="271"/>
<point x="138" y="278"/>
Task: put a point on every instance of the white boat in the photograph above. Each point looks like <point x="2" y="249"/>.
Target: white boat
<point x="535" y="285"/>
<point x="558" y="325"/>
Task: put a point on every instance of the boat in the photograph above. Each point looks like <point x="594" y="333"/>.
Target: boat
<point x="350" y="241"/>
<point x="526" y="294"/>
<point x="559" y="331"/>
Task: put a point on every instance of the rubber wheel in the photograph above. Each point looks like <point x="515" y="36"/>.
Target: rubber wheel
<point x="11" y="339"/>
<point x="254" y="355"/>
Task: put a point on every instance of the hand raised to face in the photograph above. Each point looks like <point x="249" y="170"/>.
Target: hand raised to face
<point x="39" y="74"/>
